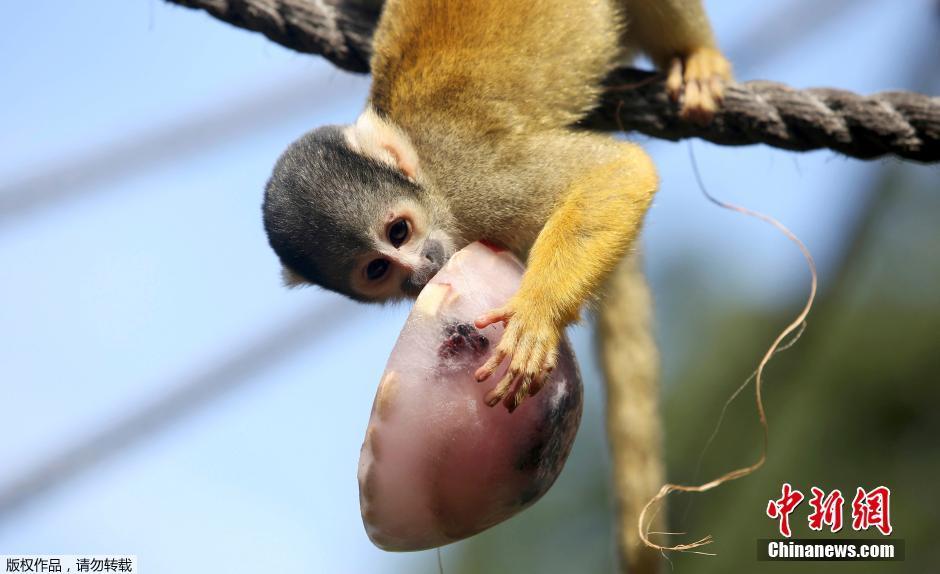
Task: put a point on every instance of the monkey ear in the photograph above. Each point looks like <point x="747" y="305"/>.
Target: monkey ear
<point x="406" y="162"/>
<point x="292" y="279"/>
<point x="383" y="141"/>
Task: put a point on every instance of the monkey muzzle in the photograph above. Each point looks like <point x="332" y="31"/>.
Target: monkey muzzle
<point x="434" y="253"/>
<point x="433" y="257"/>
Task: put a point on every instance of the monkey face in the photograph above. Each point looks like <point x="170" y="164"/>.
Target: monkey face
<point x="407" y="253"/>
<point x="351" y="222"/>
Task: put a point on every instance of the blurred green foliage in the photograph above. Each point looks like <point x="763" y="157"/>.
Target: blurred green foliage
<point x="854" y="403"/>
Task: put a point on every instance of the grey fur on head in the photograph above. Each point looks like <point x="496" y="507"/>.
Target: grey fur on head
<point x="321" y="200"/>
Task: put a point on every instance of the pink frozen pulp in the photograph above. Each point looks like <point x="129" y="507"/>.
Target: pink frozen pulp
<point x="437" y="464"/>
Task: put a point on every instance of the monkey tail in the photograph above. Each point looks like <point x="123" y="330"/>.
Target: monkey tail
<point x="630" y="363"/>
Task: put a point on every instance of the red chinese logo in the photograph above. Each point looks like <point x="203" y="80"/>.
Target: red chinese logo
<point x="783" y="506"/>
<point x="870" y="508"/>
<point x="826" y="510"/>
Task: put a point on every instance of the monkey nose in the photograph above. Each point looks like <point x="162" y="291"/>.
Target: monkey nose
<point x="433" y="251"/>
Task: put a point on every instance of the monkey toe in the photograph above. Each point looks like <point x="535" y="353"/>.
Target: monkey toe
<point x="674" y="79"/>
<point x="700" y="78"/>
<point x="700" y="105"/>
<point x="716" y="85"/>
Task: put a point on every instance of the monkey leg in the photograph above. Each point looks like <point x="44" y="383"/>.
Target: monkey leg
<point x="596" y="220"/>
<point x="678" y="38"/>
<point x="631" y="368"/>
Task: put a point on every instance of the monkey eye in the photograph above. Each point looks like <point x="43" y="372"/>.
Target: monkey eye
<point x="376" y="269"/>
<point x="398" y="232"/>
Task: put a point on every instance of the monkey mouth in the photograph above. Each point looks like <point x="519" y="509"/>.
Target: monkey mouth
<point x="413" y="285"/>
<point x="435" y="260"/>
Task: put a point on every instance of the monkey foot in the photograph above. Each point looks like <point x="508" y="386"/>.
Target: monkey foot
<point x="699" y="78"/>
<point x="530" y="347"/>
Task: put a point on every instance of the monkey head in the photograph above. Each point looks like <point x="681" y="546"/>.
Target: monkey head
<point x="347" y="209"/>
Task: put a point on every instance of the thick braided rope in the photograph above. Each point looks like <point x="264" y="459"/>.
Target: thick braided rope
<point x="903" y="124"/>
<point x="338" y="30"/>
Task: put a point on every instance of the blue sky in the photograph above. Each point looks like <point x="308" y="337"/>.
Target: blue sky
<point x="140" y="283"/>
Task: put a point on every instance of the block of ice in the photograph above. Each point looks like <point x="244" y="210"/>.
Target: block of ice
<point x="437" y="464"/>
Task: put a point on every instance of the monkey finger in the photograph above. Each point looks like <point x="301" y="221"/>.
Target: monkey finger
<point x="500" y="315"/>
<point x="488" y="367"/>
<point x="519" y="366"/>
<point x="535" y="361"/>
<point x="496" y="394"/>
<point x="521" y="391"/>
<point x="537" y="382"/>
<point x="532" y="369"/>
<point x="550" y="361"/>
<point x="510" y="400"/>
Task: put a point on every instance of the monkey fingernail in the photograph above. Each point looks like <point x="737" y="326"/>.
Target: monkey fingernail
<point x="486" y="371"/>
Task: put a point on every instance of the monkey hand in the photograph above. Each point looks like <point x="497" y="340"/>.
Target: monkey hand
<point x="699" y="77"/>
<point x="529" y="342"/>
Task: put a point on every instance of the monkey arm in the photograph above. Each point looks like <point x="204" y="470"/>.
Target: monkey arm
<point x="596" y="221"/>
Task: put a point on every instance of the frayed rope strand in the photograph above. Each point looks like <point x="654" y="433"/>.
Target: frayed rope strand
<point x="797" y="323"/>
<point x="724" y="410"/>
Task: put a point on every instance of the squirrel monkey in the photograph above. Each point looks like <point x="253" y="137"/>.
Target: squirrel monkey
<point x="468" y="134"/>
